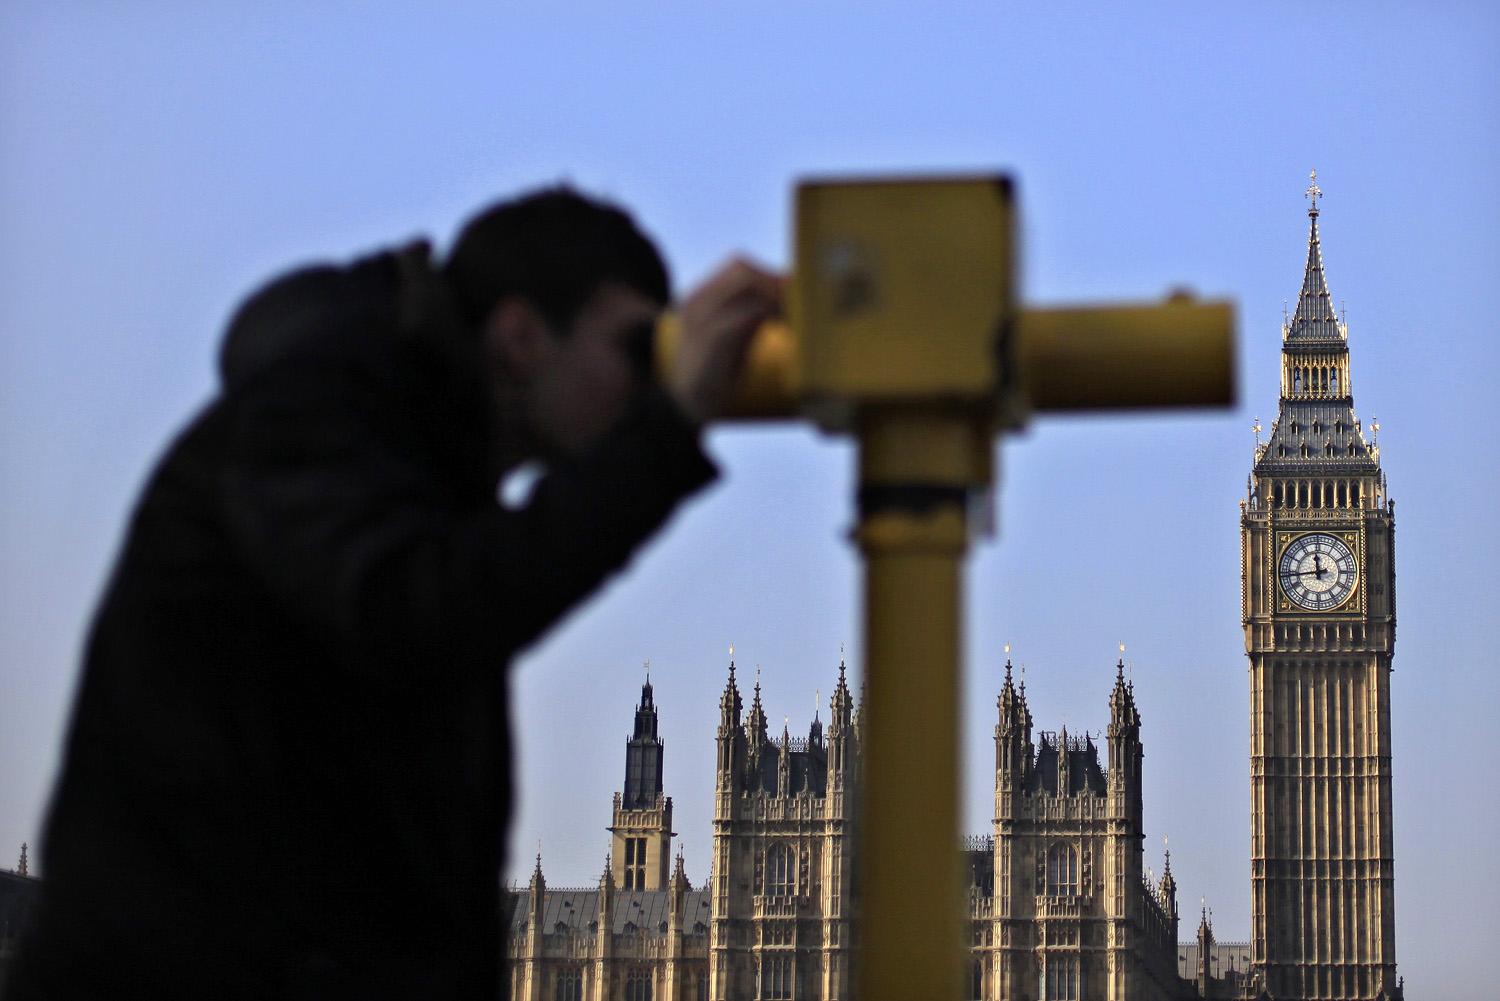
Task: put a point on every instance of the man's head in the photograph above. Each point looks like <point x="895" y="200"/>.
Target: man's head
<point x="563" y="292"/>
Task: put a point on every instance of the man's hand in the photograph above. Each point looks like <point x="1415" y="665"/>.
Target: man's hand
<point x="719" y="318"/>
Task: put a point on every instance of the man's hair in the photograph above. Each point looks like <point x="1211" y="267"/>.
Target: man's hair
<point x="554" y="248"/>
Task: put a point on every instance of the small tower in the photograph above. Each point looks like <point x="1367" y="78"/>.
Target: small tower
<point x="23" y="868"/>
<point x="1125" y="752"/>
<point x="536" y="905"/>
<point x="604" y="927"/>
<point x="1166" y="890"/>
<point x="840" y="735"/>
<point x="781" y="876"/>
<point x="755" y="738"/>
<point x="731" y="738"/>
<point x="1013" y="747"/>
<point x="1205" y="952"/>
<point x="641" y="828"/>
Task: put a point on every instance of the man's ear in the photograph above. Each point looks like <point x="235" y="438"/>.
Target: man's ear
<point x="515" y="337"/>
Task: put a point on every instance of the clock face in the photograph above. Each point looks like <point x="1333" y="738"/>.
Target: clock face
<point x="1317" y="571"/>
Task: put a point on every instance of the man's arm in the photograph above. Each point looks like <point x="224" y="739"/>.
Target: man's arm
<point x="333" y="503"/>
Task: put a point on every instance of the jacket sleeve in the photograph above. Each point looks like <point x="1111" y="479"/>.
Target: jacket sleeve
<point x="334" y="503"/>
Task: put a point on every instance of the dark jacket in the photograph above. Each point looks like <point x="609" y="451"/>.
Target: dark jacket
<point x="288" y="771"/>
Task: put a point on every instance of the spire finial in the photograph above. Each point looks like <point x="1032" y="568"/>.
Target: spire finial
<point x="648" y="670"/>
<point x="1257" y="429"/>
<point x="1313" y="192"/>
<point x="24" y="868"/>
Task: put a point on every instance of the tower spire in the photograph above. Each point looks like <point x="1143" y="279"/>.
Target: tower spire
<point x="1315" y="421"/>
<point x="1315" y="318"/>
<point x="729" y="702"/>
<point x="643" y="755"/>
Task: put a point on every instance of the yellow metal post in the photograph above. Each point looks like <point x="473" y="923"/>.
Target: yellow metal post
<point x="916" y="469"/>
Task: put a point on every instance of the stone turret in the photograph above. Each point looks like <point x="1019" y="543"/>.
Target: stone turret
<point x="1013" y="747"/>
<point x="840" y="731"/>
<point x="1125" y="752"/>
<point x="756" y="738"/>
<point x="731" y="737"/>
<point x="1166" y="890"/>
<point x="532" y="955"/>
<point x="1205" y="952"/>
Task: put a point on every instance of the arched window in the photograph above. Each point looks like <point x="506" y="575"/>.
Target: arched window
<point x="1296" y="380"/>
<point x="1335" y="382"/>
<point x="976" y="980"/>
<point x="1062" y="978"/>
<point x="776" y="976"/>
<point x="638" y="984"/>
<point x="780" y="871"/>
<point x="1062" y="871"/>
<point x="569" y="984"/>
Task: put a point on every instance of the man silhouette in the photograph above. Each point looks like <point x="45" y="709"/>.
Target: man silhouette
<point x="288" y="768"/>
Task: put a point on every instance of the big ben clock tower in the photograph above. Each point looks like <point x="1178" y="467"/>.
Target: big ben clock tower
<point x="1317" y="547"/>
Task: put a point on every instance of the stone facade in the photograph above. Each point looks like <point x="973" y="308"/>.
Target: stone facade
<point x="1060" y="906"/>
<point x="1072" y="914"/>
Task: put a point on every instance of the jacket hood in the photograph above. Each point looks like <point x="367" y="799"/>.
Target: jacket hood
<point x="314" y="306"/>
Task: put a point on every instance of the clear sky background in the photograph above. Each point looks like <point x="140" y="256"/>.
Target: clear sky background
<point x="158" y="160"/>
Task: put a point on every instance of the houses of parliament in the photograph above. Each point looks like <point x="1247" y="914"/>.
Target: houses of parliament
<point x="1060" y="905"/>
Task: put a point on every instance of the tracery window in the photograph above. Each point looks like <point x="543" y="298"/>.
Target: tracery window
<point x="638" y="984"/>
<point x="780" y="871"/>
<point x="1062" y="978"/>
<point x="1062" y="871"/>
<point x="635" y="863"/>
<point x="976" y="980"/>
<point x="569" y="984"/>
<point x="776" y="976"/>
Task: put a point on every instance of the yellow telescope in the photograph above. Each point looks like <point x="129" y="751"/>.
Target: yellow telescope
<point x="903" y="329"/>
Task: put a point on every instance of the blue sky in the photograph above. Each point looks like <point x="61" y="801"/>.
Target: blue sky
<point x="159" y="160"/>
